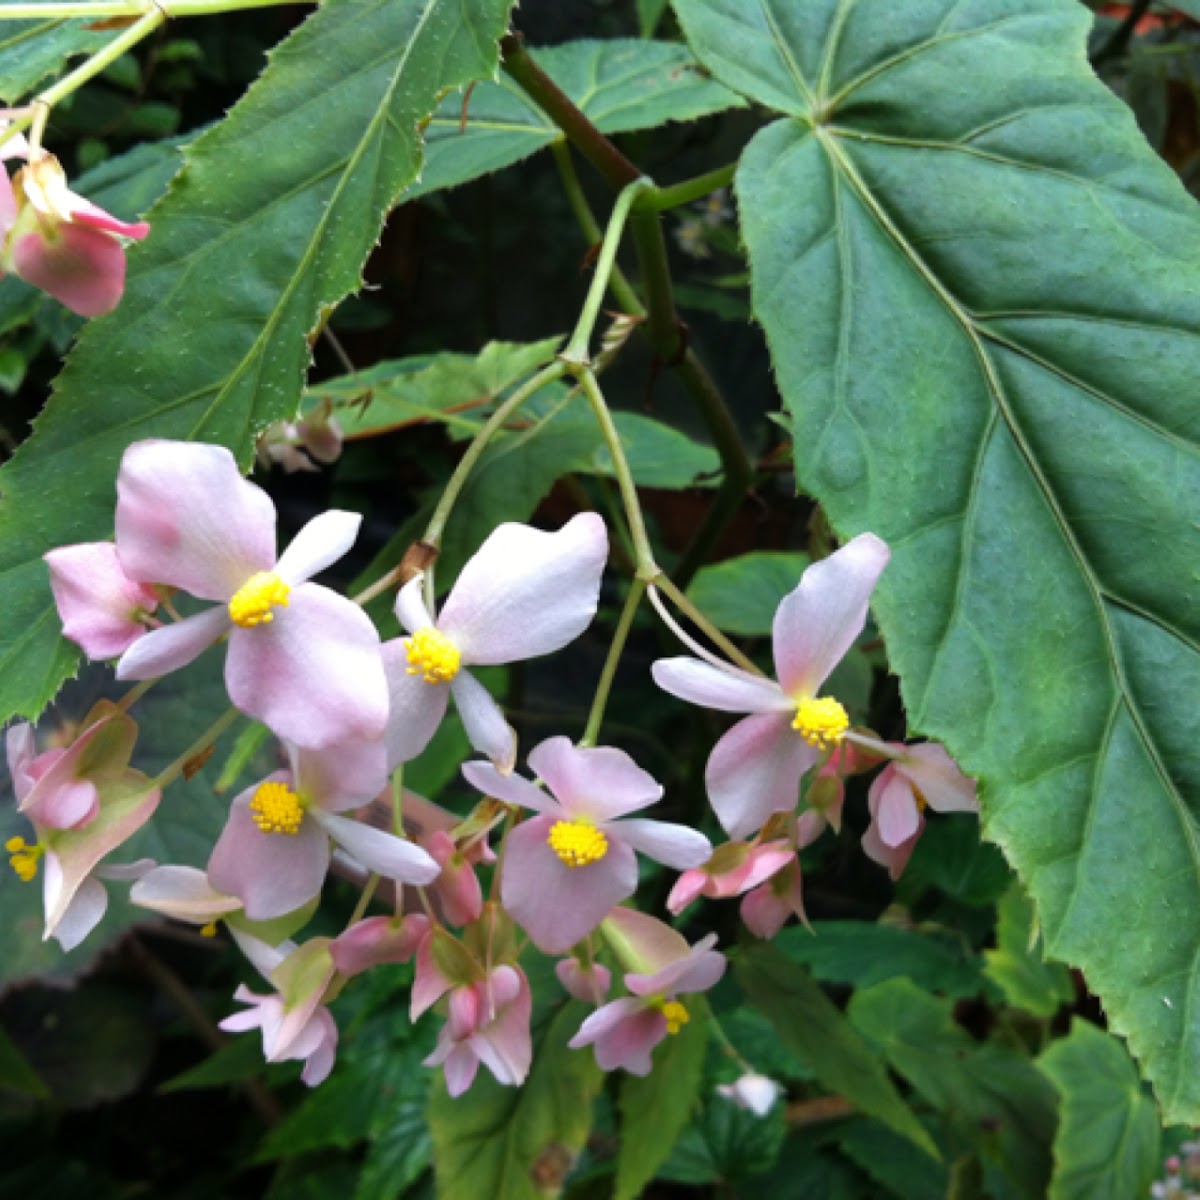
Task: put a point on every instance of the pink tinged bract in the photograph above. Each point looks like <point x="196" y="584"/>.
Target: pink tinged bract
<point x="730" y="874"/>
<point x="767" y="908"/>
<point x="100" y="607"/>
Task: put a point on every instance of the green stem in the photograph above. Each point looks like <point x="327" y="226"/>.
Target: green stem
<point x="398" y="801"/>
<point x="210" y="735"/>
<point x="576" y="351"/>
<point x="135" y="693"/>
<point x="636" y="589"/>
<point x="367" y="893"/>
<point x="647" y="568"/>
<point x="702" y="623"/>
<point x="677" y="194"/>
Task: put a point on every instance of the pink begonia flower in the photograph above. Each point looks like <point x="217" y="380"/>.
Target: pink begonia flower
<point x="624" y="1032"/>
<point x="920" y="775"/>
<point x="301" y="445"/>
<point x="273" y="853"/>
<point x="568" y="866"/>
<point x="62" y="243"/>
<point x="457" y="887"/>
<point x="488" y="1023"/>
<point x="753" y="1092"/>
<point x="525" y="593"/>
<point x="184" y="893"/>
<point x="767" y="908"/>
<point x="102" y="610"/>
<point x="733" y="869"/>
<point x="378" y="940"/>
<point x="302" y="659"/>
<point x="589" y="984"/>
<point x="755" y="769"/>
<point x="84" y="802"/>
<point x="294" y="1021"/>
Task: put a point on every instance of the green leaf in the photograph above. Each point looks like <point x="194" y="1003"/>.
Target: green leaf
<point x="811" y="1027"/>
<point x="951" y="857"/>
<point x="741" y="594"/>
<point x="30" y="51"/>
<point x="1017" y="966"/>
<point x="240" y="1059"/>
<point x="650" y="12"/>
<point x="726" y="1143"/>
<point x="16" y="1075"/>
<point x="656" y="1108"/>
<point x="264" y="229"/>
<point x="620" y="85"/>
<point x="863" y="953"/>
<point x="926" y="233"/>
<point x="892" y="1161"/>
<point x="1107" y="1144"/>
<point x="991" y="1094"/>
<point x="516" y="1143"/>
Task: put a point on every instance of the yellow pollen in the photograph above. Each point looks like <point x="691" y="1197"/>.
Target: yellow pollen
<point x="922" y="803"/>
<point x="23" y="858"/>
<point x="209" y="930"/>
<point x="821" y="722"/>
<point x="276" y="808"/>
<point x="577" y="843"/>
<point x="432" y="654"/>
<point x="252" y="602"/>
<point x="677" y="1016"/>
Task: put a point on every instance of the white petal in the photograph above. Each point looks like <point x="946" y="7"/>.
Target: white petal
<point x="384" y="853"/>
<point x="484" y="721"/>
<point x="81" y="916"/>
<point x="410" y="606"/>
<point x="415" y="706"/>
<point x="672" y="845"/>
<point x="173" y="646"/>
<point x="322" y="541"/>
<point x="725" y="690"/>
<point x="513" y="789"/>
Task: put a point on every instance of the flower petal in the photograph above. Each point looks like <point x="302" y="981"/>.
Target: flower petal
<point x="183" y="893"/>
<point x="555" y="904"/>
<point x="81" y="268"/>
<point x="384" y="853"/>
<point x="817" y="623"/>
<point x="696" y="971"/>
<point x="525" y="592"/>
<point x="415" y="706"/>
<point x="172" y="647"/>
<point x="186" y="517"/>
<point x="322" y="541"/>
<point x="513" y="789"/>
<point x="601" y="783"/>
<point x="672" y="845"/>
<point x="938" y="778"/>
<point x="484" y="721"/>
<point x="344" y="776"/>
<point x="755" y="770"/>
<point x="629" y="1041"/>
<point x="893" y="807"/>
<point x="410" y="606"/>
<point x="82" y="914"/>
<point x="313" y="675"/>
<point x="725" y="690"/>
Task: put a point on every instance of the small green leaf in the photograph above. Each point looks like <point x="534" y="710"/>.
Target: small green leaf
<point x="656" y="1108"/>
<point x="1107" y="1144"/>
<point x="740" y="595"/>
<point x="726" y="1143"/>
<point x="16" y="1075"/>
<point x="240" y="1059"/>
<point x="517" y="1143"/>
<point x="31" y="51"/>
<point x="812" y="1028"/>
<point x="1017" y="966"/>
<point x="892" y="1161"/>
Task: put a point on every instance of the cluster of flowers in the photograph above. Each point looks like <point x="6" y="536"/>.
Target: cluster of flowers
<point x="1181" y="1175"/>
<point x="350" y="710"/>
<point x="57" y="240"/>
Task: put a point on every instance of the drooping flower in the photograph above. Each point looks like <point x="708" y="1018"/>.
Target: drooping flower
<point x="302" y="659"/>
<point x="457" y="887"/>
<point x="753" y="1092"/>
<point x="767" y="908"/>
<point x="84" y="802"/>
<point x="525" y="593"/>
<point x="62" y="243"/>
<point x="734" y="868"/>
<point x="301" y="445"/>
<point x="378" y="940"/>
<point x="920" y="776"/>
<point x="755" y="769"/>
<point x="568" y="866"/>
<point x="624" y="1032"/>
<point x="102" y="610"/>
<point x="274" y="851"/>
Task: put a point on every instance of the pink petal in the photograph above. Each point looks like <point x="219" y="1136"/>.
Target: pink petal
<point x="895" y="858"/>
<point x="320" y="1057"/>
<point x="161" y="651"/>
<point x="184" y="893"/>
<point x="525" y="592"/>
<point x="555" y="904"/>
<point x="625" y="1038"/>
<point x="600" y="784"/>
<point x="894" y="807"/>
<point x="696" y="971"/>
<point x="605" y="1019"/>
<point x="415" y="706"/>
<point x="764" y="913"/>
<point x="589" y="984"/>
<point x="271" y="873"/>
<point x="644" y="939"/>
<point x="817" y="623"/>
<point x="429" y="984"/>
<point x="321" y="542"/>
<point x="314" y="674"/>
<point x="68" y="803"/>
<point x="512" y="789"/>
<point x="410" y="606"/>
<point x="84" y="212"/>
<point x="460" y="1065"/>
<point x="82" y="268"/>
<point x="938" y="778"/>
<point x="689" y="887"/>
<point x="96" y="600"/>
<point x="21" y="747"/>
<point x="344" y="776"/>
<point x="672" y="845"/>
<point x="725" y="690"/>
<point x="83" y="912"/>
<point x="755" y="770"/>
<point x="378" y="940"/>
<point x="186" y="517"/>
<point x="384" y="853"/>
<point x="504" y="1045"/>
<point x="484" y="721"/>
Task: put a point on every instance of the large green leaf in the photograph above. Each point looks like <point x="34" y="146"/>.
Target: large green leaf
<point x="981" y="292"/>
<point x="741" y="594"/>
<point x="810" y="1025"/>
<point x="620" y="85"/>
<point x="1106" y="1147"/>
<point x="1016" y="964"/>
<point x="266" y="226"/>
<point x="32" y="50"/>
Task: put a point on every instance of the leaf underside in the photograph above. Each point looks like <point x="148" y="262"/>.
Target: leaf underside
<point x="982" y="294"/>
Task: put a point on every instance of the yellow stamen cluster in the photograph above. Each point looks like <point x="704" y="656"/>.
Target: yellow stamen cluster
<point x="577" y="843"/>
<point x="276" y="808"/>
<point x="209" y="930"/>
<point x="253" y="601"/>
<point x="432" y="654"/>
<point x="821" y="721"/>
<point x="677" y="1016"/>
<point x="23" y="858"/>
